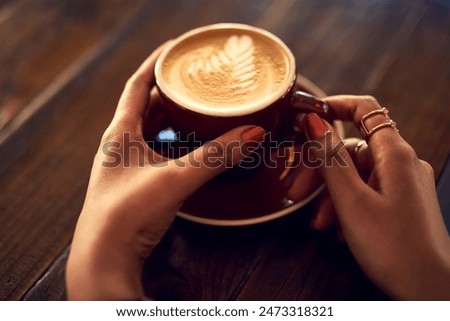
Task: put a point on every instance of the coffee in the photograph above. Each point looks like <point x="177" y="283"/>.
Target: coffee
<point x="227" y="71"/>
<point x="218" y="77"/>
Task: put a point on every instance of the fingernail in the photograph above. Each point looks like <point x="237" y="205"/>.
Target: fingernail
<point x="315" y="126"/>
<point x="253" y="134"/>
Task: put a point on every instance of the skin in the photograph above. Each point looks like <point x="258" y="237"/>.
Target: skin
<point x="402" y="245"/>
<point x="128" y="209"/>
<point x="388" y="211"/>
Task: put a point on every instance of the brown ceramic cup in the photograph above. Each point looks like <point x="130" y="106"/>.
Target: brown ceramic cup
<point x="217" y="77"/>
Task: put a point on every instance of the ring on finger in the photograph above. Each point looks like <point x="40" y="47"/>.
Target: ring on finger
<point x="368" y="132"/>
<point x="359" y="145"/>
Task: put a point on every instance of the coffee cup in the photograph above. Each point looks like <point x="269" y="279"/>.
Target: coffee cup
<point x="217" y="77"/>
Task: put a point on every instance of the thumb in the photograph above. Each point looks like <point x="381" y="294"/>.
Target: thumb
<point x="214" y="157"/>
<point x="334" y="162"/>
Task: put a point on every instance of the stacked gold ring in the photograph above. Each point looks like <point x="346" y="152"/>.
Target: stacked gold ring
<point x="369" y="132"/>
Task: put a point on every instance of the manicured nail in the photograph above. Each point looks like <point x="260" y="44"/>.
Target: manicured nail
<point x="315" y="126"/>
<point x="253" y="134"/>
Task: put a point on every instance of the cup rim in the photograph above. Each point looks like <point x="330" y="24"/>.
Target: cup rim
<point x="224" y="112"/>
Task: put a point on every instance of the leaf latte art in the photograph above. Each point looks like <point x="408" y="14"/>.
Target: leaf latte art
<point x="228" y="73"/>
<point x="221" y="71"/>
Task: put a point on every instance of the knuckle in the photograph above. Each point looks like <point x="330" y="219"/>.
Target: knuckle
<point x="111" y="134"/>
<point x="214" y="155"/>
<point x="370" y="100"/>
<point x="215" y="149"/>
<point x="134" y="81"/>
<point x="405" y="154"/>
<point x="119" y="131"/>
<point x="366" y="104"/>
<point x="427" y="167"/>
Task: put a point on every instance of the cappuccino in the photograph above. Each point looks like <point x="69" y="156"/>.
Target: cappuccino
<point x="226" y="70"/>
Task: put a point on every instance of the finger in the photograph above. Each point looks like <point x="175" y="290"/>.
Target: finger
<point x="155" y="119"/>
<point x="334" y="162"/>
<point x="216" y="156"/>
<point x="358" y="150"/>
<point x="325" y="215"/>
<point x="154" y="105"/>
<point x="306" y="180"/>
<point x="384" y="142"/>
<point x="389" y="152"/>
<point x="135" y="97"/>
<point x="351" y="108"/>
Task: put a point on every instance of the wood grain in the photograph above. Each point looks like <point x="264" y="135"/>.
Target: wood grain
<point x="45" y="167"/>
<point x="62" y="73"/>
<point x="416" y="88"/>
<point x="51" y="285"/>
<point x="41" y="38"/>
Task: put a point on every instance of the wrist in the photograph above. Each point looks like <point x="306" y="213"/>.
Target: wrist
<point x="428" y="280"/>
<point x="102" y="267"/>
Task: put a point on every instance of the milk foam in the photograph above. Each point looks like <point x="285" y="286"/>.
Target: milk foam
<point x="226" y="69"/>
<point x="224" y="75"/>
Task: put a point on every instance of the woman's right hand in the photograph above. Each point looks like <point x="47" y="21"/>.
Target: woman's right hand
<point x="390" y="219"/>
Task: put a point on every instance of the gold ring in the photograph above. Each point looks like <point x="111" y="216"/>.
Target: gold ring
<point x="358" y="146"/>
<point x="369" y="132"/>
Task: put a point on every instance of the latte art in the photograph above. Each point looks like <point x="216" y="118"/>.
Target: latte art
<point x="227" y="73"/>
<point x="229" y="69"/>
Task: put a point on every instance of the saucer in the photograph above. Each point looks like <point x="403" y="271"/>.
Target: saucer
<point x="240" y="197"/>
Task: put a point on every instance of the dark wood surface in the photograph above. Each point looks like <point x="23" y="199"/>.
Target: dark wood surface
<point x="63" y="66"/>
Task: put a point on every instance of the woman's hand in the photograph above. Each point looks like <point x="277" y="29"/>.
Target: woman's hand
<point x="134" y="194"/>
<point x="385" y="201"/>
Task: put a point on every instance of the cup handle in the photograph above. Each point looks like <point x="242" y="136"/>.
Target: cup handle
<point x="307" y="103"/>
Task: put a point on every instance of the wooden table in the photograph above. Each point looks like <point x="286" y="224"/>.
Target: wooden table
<point x="63" y="66"/>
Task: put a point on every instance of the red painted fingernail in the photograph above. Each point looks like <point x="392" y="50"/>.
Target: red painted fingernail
<point x="253" y="134"/>
<point x="315" y="126"/>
